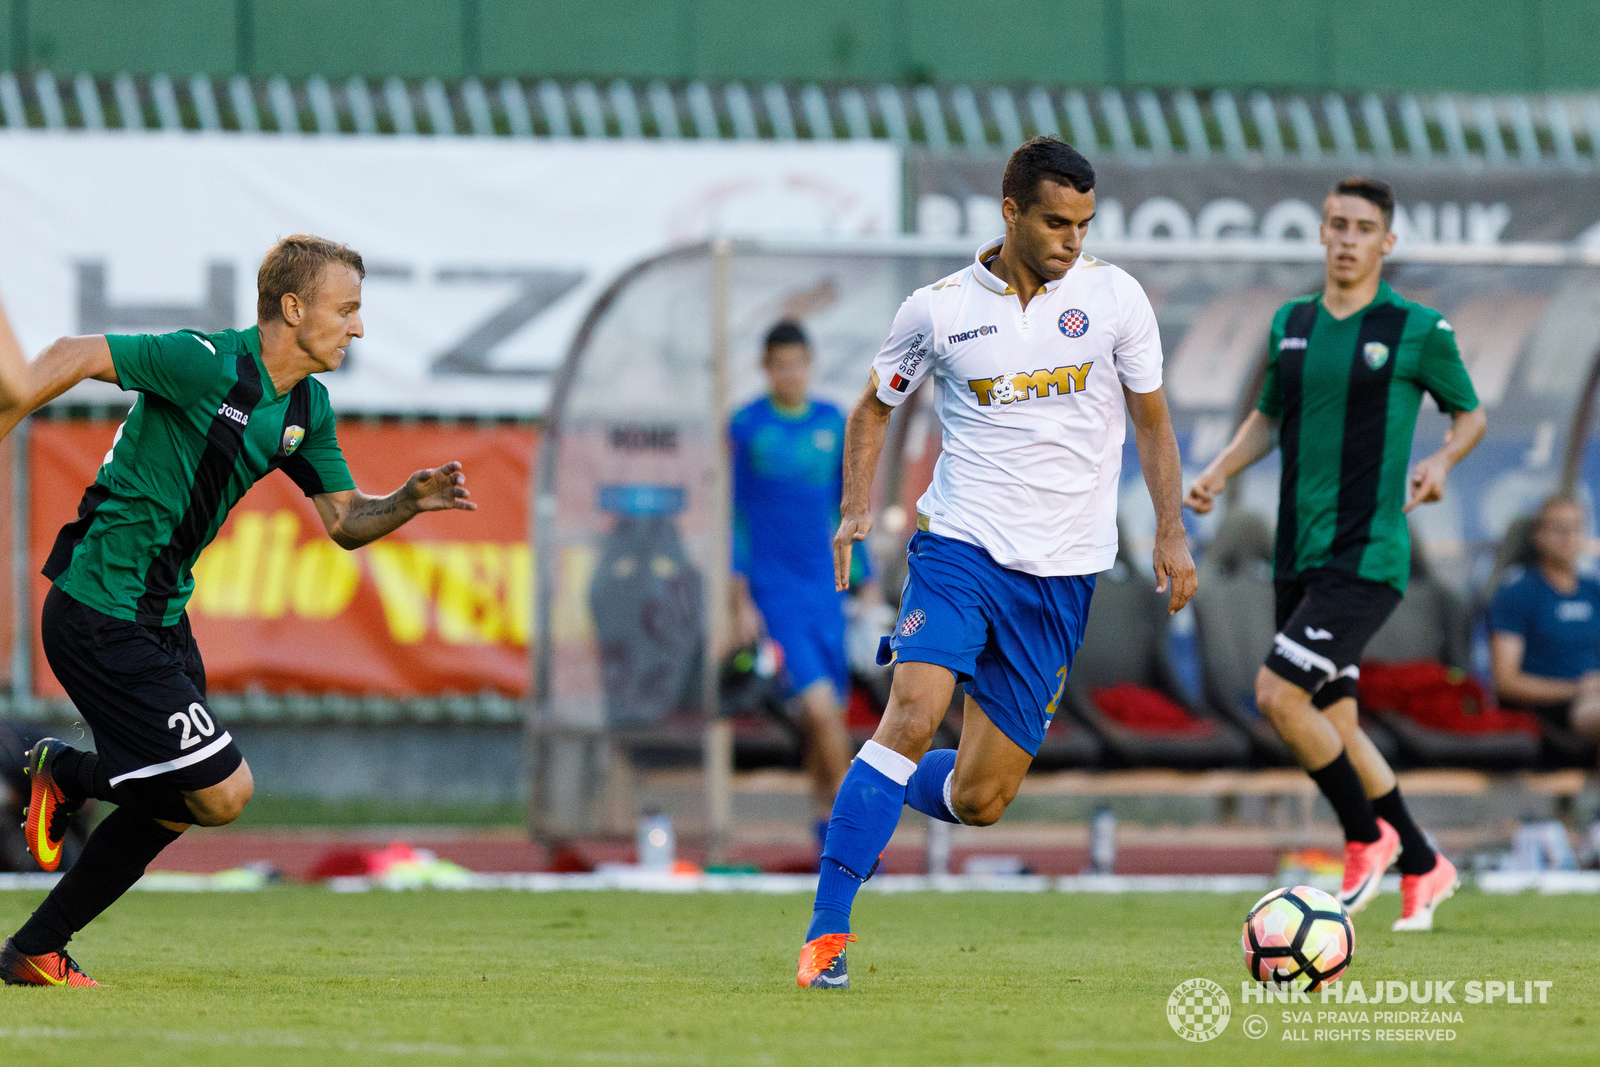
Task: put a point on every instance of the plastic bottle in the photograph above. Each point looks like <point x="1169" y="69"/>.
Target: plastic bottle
<point x="656" y="844"/>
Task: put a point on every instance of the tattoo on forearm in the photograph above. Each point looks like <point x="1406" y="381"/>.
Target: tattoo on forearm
<point x="373" y="507"/>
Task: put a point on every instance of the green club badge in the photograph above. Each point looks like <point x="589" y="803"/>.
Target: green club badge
<point x="1376" y="353"/>
<point x="292" y="436"/>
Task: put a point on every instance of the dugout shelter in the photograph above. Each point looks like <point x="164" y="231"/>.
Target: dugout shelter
<point x="631" y="508"/>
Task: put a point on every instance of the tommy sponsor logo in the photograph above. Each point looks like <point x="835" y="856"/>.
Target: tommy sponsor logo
<point x="912" y="623"/>
<point x="1074" y="323"/>
<point x="1292" y="343"/>
<point x="1011" y="388"/>
<point x="233" y="414"/>
<point x="1318" y="635"/>
<point x="967" y="335"/>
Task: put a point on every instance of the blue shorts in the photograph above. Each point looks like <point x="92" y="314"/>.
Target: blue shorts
<point x="811" y="631"/>
<point x="1008" y="636"/>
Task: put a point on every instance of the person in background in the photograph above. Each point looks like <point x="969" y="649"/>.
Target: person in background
<point x="787" y="452"/>
<point x="1544" y="626"/>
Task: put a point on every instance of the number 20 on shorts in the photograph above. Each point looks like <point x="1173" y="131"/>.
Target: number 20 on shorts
<point x="195" y="723"/>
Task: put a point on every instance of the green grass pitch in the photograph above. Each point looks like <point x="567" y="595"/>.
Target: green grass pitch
<point x="299" y="976"/>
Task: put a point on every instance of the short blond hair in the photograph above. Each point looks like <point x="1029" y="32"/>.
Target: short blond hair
<point x="295" y="265"/>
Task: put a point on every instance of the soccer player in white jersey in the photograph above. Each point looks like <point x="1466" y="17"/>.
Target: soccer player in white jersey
<point x="1035" y="351"/>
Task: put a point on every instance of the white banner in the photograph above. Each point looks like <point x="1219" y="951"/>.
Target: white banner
<point x="482" y="254"/>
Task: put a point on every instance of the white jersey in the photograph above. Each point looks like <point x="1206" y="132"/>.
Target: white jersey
<point x="1031" y="406"/>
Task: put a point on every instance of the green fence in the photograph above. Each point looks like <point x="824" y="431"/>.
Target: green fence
<point x="1467" y="45"/>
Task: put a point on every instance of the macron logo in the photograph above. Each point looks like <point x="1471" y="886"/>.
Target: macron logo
<point x="967" y="335"/>
<point x="1318" y="635"/>
<point x="234" y="414"/>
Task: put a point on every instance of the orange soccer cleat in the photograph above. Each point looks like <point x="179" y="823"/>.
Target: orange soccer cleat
<point x="822" y="963"/>
<point x="1364" y="865"/>
<point x="1421" y="893"/>
<point x="49" y="810"/>
<point x="52" y="968"/>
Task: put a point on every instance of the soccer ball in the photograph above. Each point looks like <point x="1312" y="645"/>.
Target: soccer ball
<point x="1299" y="937"/>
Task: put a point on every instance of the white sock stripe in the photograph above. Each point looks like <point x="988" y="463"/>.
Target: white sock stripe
<point x="177" y="764"/>
<point x="1303" y="657"/>
<point x="951" y="808"/>
<point x="887" y="762"/>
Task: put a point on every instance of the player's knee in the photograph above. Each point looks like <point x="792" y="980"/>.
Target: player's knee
<point x="979" y="803"/>
<point x="918" y="701"/>
<point x="1274" y="695"/>
<point x="223" y="803"/>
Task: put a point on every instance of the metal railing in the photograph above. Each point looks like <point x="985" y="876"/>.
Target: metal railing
<point x="1142" y="125"/>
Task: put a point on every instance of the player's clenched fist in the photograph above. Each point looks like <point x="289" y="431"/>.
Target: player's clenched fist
<point x="852" y="528"/>
<point x="1202" y="495"/>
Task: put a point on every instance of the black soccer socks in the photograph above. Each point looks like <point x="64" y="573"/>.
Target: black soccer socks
<point x="1341" y="784"/>
<point x="114" y="858"/>
<point x="1416" y="855"/>
<point x="80" y="775"/>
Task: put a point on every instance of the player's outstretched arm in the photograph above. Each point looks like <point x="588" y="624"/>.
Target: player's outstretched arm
<point x="864" y="433"/>
<point x="1427" y="480"/>
<point x="1163" y="476"/>
<point x="64" y="364"/>
<point x="13" y="367"/>
<point x="1250" y="443"/>
<point x="354" y="519"/>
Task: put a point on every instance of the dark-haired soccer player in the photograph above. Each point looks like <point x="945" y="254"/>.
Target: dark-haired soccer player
<point x="1040" y="354"/>
<point x="788" y="447"/>
<point x="216" y="413"/>
<point x="1346" y="371"/>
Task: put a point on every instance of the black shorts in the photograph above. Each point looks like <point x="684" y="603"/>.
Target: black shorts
<point x="142" y="690"/>
<point x="1325" y="620"/>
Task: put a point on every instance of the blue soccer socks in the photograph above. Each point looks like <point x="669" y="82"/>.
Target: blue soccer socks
<point x="929" y="788"/>
<point x="865" y="814"/>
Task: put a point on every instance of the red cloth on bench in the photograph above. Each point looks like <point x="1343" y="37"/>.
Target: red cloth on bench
<point x="1438" y="697"/>
<point x="1146" y="711"/>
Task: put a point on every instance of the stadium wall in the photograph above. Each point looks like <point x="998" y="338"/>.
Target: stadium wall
<point x="1470" y="45"/>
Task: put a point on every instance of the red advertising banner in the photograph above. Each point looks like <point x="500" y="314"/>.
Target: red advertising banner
<point x="442" y="605"/>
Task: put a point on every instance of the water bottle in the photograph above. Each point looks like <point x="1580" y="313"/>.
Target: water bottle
<point x="656" y="844"/>
<point x="1102" y="842"/>
<point x="938" y="846"/>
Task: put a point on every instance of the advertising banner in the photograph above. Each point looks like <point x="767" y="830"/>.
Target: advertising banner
<point x="483" y="254"/>
<point x="440" y="606"/>
<point x="958" y="195"/>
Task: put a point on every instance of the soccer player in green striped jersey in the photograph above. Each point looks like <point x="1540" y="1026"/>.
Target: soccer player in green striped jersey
<point x="1346" y="371"/>
<point x="215" y="414"/>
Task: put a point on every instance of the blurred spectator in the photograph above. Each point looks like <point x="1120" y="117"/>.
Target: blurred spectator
<point x="788" y="448"/>
<point x="1544" y="626"/>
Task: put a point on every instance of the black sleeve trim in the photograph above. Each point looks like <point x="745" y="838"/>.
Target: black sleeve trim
<point x="304" y="475"/>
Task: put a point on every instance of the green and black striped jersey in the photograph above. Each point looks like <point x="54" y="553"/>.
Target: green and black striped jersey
<point x="1347" y="392"/>
<point x="206" y="427"/>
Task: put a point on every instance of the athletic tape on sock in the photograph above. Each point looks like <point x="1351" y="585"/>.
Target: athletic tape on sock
<point x="951" y="777"/>
<point x="887" y="762"/>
